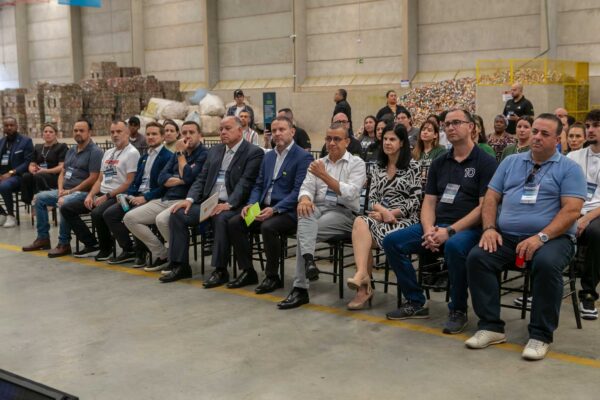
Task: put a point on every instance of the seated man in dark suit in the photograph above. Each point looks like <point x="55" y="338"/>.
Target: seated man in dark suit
<point x="145" y="187"/>
<point x="276" y="190"/>
<point x="230" y="170"/>
<point x="16" y="152"/>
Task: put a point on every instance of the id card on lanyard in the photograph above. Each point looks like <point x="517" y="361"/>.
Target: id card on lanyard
<point x="331" y="197"/>
<point x="109" y="174"/>
<point x="5" y="158"/>
<point x="69" y="173"/>
<point x="530" y="193"/>
<point x="450" y="193"/>
<point x="591" y="190"/>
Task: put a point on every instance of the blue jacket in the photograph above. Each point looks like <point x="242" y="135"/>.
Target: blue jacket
<point x="195" y="162"/>
<point x="287" y="183"/>
<point x="21" y="153"/>
<point x="156" y="191"/>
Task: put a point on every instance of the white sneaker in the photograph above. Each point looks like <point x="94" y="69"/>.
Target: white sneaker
<point x="10" y="222"/>
<point x="2" y="219"/>
<point x="482" y="339"/>
<point x="519" y="301"/>
<point x="535" y="350"/>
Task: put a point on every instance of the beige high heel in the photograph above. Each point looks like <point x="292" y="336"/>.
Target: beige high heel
<point x="354" y="283"/>
<point x="361" y="305"/>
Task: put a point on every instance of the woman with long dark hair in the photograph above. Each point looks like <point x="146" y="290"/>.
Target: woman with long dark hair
<point x="368" y="134"/>
<point x="427" y="148"/>
<point x="523" y="135"/>
<point x="395" y="197"/>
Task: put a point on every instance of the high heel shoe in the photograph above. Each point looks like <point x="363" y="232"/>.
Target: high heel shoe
<point x="354" y="283"/>
<point x="361" y="305"/>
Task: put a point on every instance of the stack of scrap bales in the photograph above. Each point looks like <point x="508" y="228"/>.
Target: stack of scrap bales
<point x="105" y="70"/>
<point x="128" y="72"/>
<point x="170" y="90"/>
<point x="127" y="98"/>
<point x="148" y="87"/>
<point x="63" y="106"/>
<point x="98" y="104"/>
<point x="34" y="107"/>
<point x="13" y="105"/>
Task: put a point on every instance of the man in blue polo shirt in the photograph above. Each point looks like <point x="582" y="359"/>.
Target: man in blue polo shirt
<point x="542" y="193"/>
<point x="450" y="217"/>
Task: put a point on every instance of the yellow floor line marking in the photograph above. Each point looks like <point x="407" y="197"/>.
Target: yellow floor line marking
<point x="512" y="347"/>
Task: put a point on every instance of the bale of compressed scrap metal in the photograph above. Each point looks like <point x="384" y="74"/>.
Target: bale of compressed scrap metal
<point x="105" y="70"/>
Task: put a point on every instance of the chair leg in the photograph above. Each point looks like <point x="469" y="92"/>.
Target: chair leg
<point x="283" y="241"/>
<point x="386" y="276"/>
<point x="341" y="269"/>
<point x="574" y="298"/>
<point x="526" y="285"/>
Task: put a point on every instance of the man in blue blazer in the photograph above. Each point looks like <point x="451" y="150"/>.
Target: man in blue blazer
<point x="230" y="171"/>
<point x="276" y="191"/>
<point x="144" y="188"/>
<point x="16" y="152"/>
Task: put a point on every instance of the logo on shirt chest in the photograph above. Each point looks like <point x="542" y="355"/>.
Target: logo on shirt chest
<point x="469" y="172"/>
<point x="112" y="162"/>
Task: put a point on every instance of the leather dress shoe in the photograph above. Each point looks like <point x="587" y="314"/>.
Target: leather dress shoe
<point x="247" y="277"/>
<point x="178" y="273"/>
<point x="295" y="299"/>
<point x="218" y="277"/>
<point x="60" y="250"/>
<point x="38" y="244"/>
<point x="312" y="272"/>
<point x="268" y="285"/>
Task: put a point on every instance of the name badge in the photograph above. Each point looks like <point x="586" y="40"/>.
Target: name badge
<point x="530" y="193"/>
<point x="331" y="197"/>
<point x="109" y="174"/>
<point x="5" y="159"/>
<point x="44" y="165"/>
<point x="69" y="173"/>
<point x="450" y="193"/>
<point x="591" y="189"/>
<point x="144" y="185"/>
<point x="221" y="177"/>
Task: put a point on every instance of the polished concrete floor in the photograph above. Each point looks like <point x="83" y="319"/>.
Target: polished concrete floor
<point x="103" y="332"/>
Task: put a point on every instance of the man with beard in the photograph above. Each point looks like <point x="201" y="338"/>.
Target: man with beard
<point x="81" y="169"/>
<point x="516" y="107"/>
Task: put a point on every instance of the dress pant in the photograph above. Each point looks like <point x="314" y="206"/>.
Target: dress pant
<point x="547" y="265"/>
<point x="324" y="223"/>
<point x="180" y="236"/>
<point x="400" y="244"/>
<point x="157" y="212"/>
<point x="7" y="188"/>
<point x="113" y="216"/>
<point x="590" y="276"/>
<point x="31" y="184"/>
<point x="72" y="214"/>
<point x="271" y="229"/>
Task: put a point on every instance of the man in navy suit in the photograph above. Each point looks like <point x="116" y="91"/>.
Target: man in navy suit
<point x="144" y="188"/>
<point x="16" y="152"/>
<point x="230" y="171"/>
<point x="276" y="191"/>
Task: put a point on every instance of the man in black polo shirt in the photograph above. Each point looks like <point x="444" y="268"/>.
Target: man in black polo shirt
<point x="450" y="218"/>
<point x="516" y="107"/>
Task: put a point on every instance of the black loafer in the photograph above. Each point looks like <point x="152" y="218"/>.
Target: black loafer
<point x="247" y="277"/>
<point x="180" y="272"/>
<point x="312" y="272"/>
<point x="268" y="285"/>
<point x="295" y="299"/>
<point x="218" y="277"/>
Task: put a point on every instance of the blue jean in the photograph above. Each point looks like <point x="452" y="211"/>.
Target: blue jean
<point x="50" y="198"/>
<point x="546" y="266"/>
<point x="399" y="245"/>
<point x="7" y="188"/>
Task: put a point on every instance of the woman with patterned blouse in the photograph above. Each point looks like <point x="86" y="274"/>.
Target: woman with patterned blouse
<point x="395" y="198"/>
<point x="500" y="139"/>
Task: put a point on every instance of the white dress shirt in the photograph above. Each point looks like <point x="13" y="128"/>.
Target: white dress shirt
<point x="349" y="171"/>
<point x="220" y="183"/>
<point x="278" y="163"/>
<point x="152" y="154"/>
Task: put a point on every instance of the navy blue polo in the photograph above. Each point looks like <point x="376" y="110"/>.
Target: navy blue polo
<point x="472" y="174"/>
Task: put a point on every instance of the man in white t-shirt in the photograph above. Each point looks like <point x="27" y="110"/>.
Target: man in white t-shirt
<point x="588" y="225"/>
<point x="117" y="172"/>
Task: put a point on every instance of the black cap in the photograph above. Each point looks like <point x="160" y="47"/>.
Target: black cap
<point x="238" y="92"/>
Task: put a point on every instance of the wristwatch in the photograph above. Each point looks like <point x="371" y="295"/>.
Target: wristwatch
<point x="179" y="153"/>
<point x="108" y="195"/>
<point x="451" y="231"/>
<point x="12" y="172"/>
<point x="543" y="237"/>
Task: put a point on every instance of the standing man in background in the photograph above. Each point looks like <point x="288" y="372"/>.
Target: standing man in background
<point x="342" y="106"/>
<point x="516" y="107"/>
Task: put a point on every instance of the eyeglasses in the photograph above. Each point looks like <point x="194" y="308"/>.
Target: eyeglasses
<point x="592" y="125"/>
<point x="454" y="123"/>
<point x="341" y="122"/>
<point x="531" y="177"/>
<point x="335" y="139"/>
